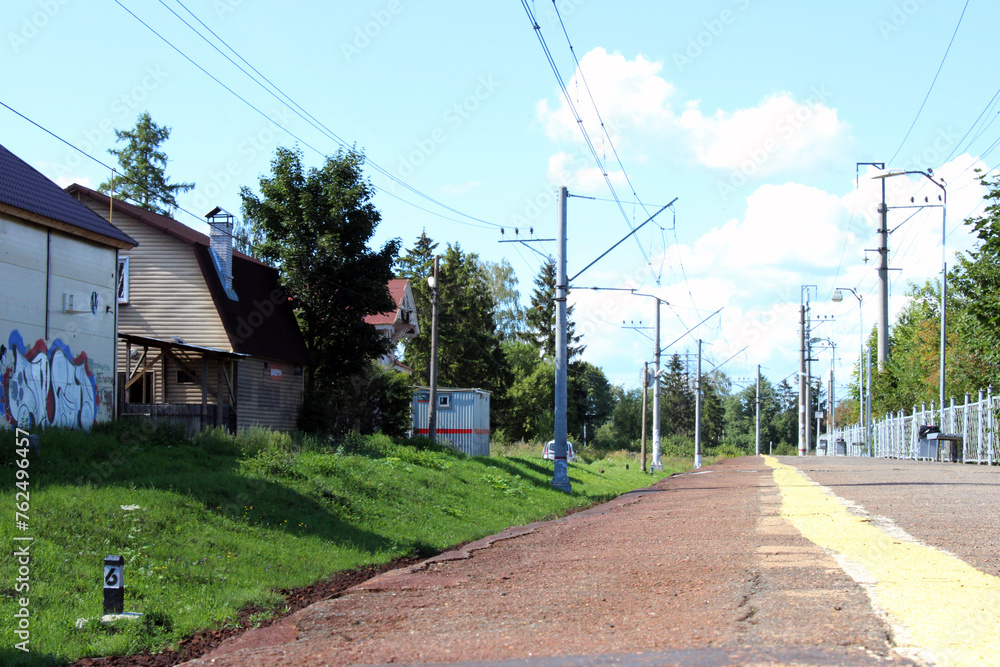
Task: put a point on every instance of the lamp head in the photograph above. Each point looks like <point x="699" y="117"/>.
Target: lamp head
<point x="838" y="296"/>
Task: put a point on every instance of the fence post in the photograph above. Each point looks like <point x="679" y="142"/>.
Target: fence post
<point x="965" y="426"/>
<point x="989" y="417"/>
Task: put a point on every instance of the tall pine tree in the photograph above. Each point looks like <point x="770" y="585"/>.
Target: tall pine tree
<point x="541" y="317"/>
<point x="469" y="344"/>
<point x="144" y="164"/>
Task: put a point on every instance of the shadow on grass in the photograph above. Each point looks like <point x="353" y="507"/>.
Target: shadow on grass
<point x="166" y="461"/>
<point x="518" y="469"/>
<point x="12" y="657"/>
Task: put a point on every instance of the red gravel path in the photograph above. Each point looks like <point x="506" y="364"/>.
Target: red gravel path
<point x="698" y="569"/>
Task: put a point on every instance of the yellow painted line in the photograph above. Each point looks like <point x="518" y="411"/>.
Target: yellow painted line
<point x="940" y="607"/>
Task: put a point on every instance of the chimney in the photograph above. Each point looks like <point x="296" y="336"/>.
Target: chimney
<point x="220" y="223"/>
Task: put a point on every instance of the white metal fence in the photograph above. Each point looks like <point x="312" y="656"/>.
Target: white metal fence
<point x="897" y="435"/>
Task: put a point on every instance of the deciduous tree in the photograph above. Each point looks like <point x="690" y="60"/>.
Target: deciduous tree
<point x="315" y="225"/>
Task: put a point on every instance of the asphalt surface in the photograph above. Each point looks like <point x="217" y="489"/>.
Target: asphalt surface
<point x="751" y="561"/>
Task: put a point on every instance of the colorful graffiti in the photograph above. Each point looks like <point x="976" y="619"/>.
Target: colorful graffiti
<point x="46" y="385"/>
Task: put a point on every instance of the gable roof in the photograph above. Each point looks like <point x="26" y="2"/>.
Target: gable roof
<point x="163" y="223"/>
<point x="398" y="288"/>
<point x="23" y="189"/>
<point x="261" y="322"/>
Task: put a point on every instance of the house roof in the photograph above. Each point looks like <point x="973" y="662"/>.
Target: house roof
<point x="261" y="322"/>
<point x="397" y="292"/>
<point x="163" y="223"/>
<point x="25" y="189"/>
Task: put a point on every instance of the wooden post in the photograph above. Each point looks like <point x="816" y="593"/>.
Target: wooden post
<point x="204" y="391"/>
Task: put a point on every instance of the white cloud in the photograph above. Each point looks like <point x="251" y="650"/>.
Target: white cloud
<point x="629" y="94"/>
<point x="577" y="174"/>
<point x="788" y="227"/>
<point x="777" y="134"/>
<point x="637" y="107"/>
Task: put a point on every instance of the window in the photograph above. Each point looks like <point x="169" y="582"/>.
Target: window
<point x="444" y="401"/>
<point x="123" y="280"/>
<point x="183" y="377"/>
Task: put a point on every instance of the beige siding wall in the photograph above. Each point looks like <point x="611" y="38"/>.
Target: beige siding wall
<point x="266" y="400"/>
<point x="65" y="377"/>
<point x="167" y="293"/>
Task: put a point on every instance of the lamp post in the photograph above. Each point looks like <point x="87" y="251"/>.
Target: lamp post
<point x="432" y="282"/>
<point x="944" y="268"/>
<point x="838" y="296"/>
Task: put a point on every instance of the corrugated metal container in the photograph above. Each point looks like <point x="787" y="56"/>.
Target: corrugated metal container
<point x="463" y="418"/>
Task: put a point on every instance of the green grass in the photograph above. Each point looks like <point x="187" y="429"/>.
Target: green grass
<point x="209" y="526"/>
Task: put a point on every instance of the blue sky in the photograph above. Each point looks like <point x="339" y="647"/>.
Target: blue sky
<point x="752" y="114"/>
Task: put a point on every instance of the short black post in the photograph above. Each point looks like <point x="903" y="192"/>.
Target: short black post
<point x="114" y="584"/>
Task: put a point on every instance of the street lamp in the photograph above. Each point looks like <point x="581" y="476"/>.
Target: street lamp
<point x="838" y="296"/>
<point x="944" y="268"/>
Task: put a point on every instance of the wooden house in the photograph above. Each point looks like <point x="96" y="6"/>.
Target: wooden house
<point x="58" y="261"/>
<point x="209" y="335"/>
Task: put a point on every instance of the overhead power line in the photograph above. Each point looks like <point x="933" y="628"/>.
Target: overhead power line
<point x="933" y="81"/>
<point x="576" y="115"/>
<point x="299" y="111"/>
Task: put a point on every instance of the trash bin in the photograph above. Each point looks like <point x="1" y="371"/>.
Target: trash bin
<point x="949" y="446"/>
<point x="927" y="448"/>
<point x="821" y="447"/>
<point x="840" y="447"/>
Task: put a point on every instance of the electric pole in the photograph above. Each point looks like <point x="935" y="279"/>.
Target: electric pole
<point x="657" y="464"/>
<point x="560" y="475"/>
<point x="432" y="399"/>
<point x="758" y="411"/>
<point x="645" y="392"/>
<point x="697" y="413"/>
<point x="883" y="272"/>
<point x="802" y="374"/>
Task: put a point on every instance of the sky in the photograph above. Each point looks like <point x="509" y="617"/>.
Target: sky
<point x="753" y="116"/>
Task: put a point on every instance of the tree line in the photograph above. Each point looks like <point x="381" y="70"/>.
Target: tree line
<point x="316" y="225"/>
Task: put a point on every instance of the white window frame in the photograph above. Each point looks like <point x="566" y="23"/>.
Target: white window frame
<point x="122" y="283"/>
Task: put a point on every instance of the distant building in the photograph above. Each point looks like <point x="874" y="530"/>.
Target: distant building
<point x="58" y="311"/>
<point x="397" y="324"/>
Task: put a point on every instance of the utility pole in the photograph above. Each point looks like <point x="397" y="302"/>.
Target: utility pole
<point x="645" y="392"/>
<point x="757" y="449"/>
<point x="432" y="407"/>
<point x="802" y="374"/>
<point x="804" y="370"/>
<point x="697" y="413"/>
<point x="883" y="273"/>
<point x="657" y="464"/>
<point x="560" y="475"/>
<point x="831" y="440"/>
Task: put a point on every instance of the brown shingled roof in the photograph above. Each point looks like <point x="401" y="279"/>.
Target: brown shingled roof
<point x="163" y="223"/>
<point x="25" y="189"/>
<point x="261" y="322"/>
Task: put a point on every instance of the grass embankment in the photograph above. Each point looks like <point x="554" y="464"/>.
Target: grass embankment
<point x="209" y="526"/>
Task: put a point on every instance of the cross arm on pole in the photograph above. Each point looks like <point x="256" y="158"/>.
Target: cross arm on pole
<point x="624" y="238"/>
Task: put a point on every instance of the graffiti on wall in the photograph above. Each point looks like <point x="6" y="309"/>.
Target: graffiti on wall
<point x="46" y="385"/>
